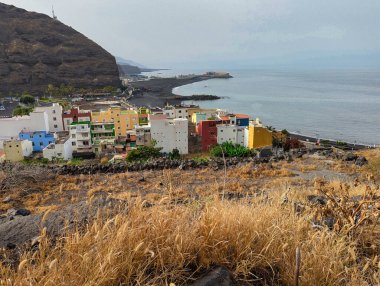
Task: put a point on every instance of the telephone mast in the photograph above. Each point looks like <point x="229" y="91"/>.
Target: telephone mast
<point x="54" y="16"/>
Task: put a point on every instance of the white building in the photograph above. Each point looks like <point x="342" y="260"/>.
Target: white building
<point x="176" y="111"/>
<point x="233" y="134"/>
<point x="80" y="137"/>
<point x="36" y="121"/>
<point x="54" y="113"/>
<point x="61" y="149"/>
<point x="170" y="133"/>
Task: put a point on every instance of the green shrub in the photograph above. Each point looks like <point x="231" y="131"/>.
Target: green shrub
<point x="20" y="111"/>
<point x="75" y="162"/>
<point x="230" y="150"/>
<point x="143" y="153"/>
<point x="174" y="155"/>
<point x="44" y="160"/>
<point x="27" y="99"/>
<point x="201" y="159"/>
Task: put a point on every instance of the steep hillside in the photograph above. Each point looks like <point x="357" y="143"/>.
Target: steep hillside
<point x="36" y="50"/>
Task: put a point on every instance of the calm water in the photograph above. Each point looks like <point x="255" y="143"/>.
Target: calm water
<point x="340" y="105"/>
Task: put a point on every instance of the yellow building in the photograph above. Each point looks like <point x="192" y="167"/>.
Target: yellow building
<point x="124" y="119"/>
<point x="258" y="136"/>
<point x="17" y="150"/>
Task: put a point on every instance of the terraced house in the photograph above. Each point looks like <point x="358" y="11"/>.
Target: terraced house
<point x="123" y="119"/>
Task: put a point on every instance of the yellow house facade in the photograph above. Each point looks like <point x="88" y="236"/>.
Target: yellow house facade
<point x="258" y="136"/>
<point x="17" y="150"/>
<point x="124" y="119"/>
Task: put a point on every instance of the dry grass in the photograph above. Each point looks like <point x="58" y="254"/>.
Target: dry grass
<point x="188" y="227"/>
<point x="165" y="244"/>
<point x="373" y="168"/>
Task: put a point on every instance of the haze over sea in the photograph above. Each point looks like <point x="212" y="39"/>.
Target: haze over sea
<point x="330" y="104"/>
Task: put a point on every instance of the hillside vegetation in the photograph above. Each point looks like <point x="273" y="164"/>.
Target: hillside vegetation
<point x="172" y="226"/>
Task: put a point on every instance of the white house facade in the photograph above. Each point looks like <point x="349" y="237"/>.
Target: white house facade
<point x="54" y="113"/>
<point x="36" y="121"/>
<point x="170" y="134"/>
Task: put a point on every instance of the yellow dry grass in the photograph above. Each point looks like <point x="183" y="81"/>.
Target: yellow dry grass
<point x="191" y="224"/>
<point x="173" y="244"/>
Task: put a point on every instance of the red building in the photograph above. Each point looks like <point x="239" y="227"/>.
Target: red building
<point x="75" y="115"/>
<point x="208" y="132"/>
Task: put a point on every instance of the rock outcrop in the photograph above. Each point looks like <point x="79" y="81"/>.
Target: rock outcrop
<point x="36" y="50"/>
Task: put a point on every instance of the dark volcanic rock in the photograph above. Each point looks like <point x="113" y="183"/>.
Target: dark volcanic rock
<point x="219" y="276"/>
<point x="36" y="50"/>
<point x="361" y="161"/>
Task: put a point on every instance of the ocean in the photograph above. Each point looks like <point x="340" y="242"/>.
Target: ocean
<point x="328" y="104"/>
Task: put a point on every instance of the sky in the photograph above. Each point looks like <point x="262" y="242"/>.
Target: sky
<point x="226" y="33"/>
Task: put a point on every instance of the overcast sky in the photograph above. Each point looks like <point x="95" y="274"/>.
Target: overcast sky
<point x="212" y="33"/>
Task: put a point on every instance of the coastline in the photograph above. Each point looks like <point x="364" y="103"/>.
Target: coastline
<point x="158" y="92"/>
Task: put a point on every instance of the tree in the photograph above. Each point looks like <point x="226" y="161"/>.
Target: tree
<point x="50" y="89"/>
<point x="27" y="99"/>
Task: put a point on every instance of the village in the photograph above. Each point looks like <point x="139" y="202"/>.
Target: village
<point x="55" y="134"/>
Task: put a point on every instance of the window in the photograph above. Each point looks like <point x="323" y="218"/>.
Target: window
<point x="54" y="118"/>
<point x="72" y="135"/>
<point x="55" y="126"/>
<point x="86" y="143"/>
<point x="53" y="111"/>
<point x="41" y="143"/>
<point x="32" y="143"/>
<point x="73" y="143"/>
<point x="85" y="134"/>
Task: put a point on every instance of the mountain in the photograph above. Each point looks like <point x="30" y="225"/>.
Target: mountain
<point x="36" y="50"/>
<point x="129" y="67"/>
<point x="121" y="61"/>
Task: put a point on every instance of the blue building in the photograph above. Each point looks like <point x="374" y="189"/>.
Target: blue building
<point x="241" y="120"/>
<point x="40" y="139"/>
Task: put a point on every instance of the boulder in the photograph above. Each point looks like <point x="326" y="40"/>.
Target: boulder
<point x="361" y="161"/>
<point x="219" y="276"/>
<point x="317" y="200"/>
<point x="18" y="212"/>
<point x="349" y="157"/>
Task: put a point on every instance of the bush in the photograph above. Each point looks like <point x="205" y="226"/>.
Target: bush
<point x="201" y="159"/>
<point x="20" y="111"/>
<point x="174" y="155"/>
<point x="44" y="160"/>
<point x="27" y="99"/>
<point x="286" y="132"/>
<point x="143" y="153"/>
<point x="230" y="150"/>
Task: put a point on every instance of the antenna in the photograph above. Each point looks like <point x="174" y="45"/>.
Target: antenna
<point x="52" y="10"/>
